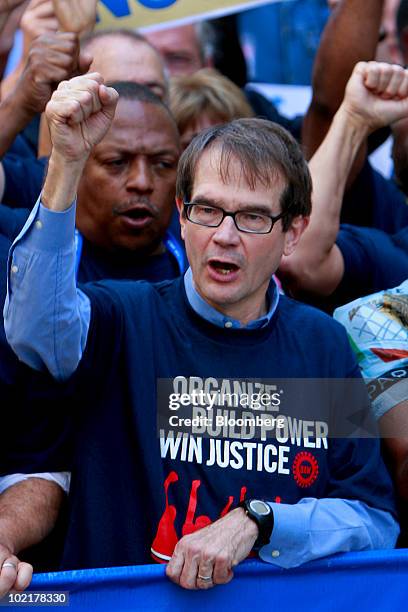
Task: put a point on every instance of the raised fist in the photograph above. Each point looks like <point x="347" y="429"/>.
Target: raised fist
<point x="377" y="94"/>
<point x="53" y="57"/>
<point x="79" y="115"/>
<point x="38" y="19"/>
<point x="77" y="16"/>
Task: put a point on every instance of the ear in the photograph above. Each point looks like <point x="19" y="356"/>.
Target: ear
<point x="294" y="233"/>
<point x="182" y="219"/>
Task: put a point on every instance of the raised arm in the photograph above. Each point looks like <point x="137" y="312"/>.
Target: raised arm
<point x="52" y="58"/>
<point x="350" y="36"/>
<point x="46" y="318"/>
<point x="77" y="16"/>
<point x="376" y="95"/>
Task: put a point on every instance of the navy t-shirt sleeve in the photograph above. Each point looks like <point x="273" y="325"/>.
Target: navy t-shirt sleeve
<point x="374" y="201"/>
<point x="106" y="337"/>
<point x="24" y="179"/>
<point x="373" y="260"/>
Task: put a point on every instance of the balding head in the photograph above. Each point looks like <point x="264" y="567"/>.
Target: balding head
<point x="123" y="55"/>
<point x="184" y="49"/>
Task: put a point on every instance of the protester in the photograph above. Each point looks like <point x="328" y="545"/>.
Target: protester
<point x="129" y="58"/>
<point x="336" y="262"/>
<point x="244" y="197"/>
<point x="52" y="58"/>
<point x="352" y="35"/>
<point x="377" y="326"/>
<point x="204" y="99"/>
<point x="186" y="49"/>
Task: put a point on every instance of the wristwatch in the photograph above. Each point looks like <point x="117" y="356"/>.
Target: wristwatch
<point x="262" y="514"/>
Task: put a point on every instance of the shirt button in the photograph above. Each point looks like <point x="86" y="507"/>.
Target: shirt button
<point x="228" y="324"/>
<point x="38" y="224"/>
<point x="275" y="553"/>
<point x="14" y="269"/>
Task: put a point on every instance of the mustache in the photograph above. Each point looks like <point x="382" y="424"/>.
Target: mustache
<point x="143" y="201"/>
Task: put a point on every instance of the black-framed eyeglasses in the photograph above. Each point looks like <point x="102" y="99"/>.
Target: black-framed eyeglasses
<point x="245" y="220"/>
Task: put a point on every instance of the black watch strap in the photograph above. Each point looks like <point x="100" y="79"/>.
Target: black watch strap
<point x="262" y="514"/>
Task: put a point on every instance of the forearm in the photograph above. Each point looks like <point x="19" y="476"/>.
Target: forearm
<point x="28" y="512"/>
<point x="316" y="265"/>
<point x="351" y="35"/>
<point x="61" y="185"/>
<point x="316" y="528"/>
<point x="46" y="318"/>
<point x="10" y="82"/>
<point x="330" y="167"/>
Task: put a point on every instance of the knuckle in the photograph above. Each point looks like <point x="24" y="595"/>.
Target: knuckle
<point x="193" y="550"/>
<point x="186" y="584"/>
<point x="223" y="559"/>
<point x="207" y="556"/>
<point x="170" y="571"/>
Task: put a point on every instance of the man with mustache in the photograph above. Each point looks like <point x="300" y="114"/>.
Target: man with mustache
<point x="126" y="194"/>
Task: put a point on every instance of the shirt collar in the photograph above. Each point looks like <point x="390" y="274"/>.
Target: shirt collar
<point x="210" y="314"/>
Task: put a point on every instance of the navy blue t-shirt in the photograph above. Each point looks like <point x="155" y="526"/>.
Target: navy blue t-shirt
<point x="98" y="264"/>
<point x="135" y="493"/>
<point x="373" y="260"/>
<point x="37" y="434"/>
<point x="24" y="178"/>
<point x="12" y="221"/>
<point x="374" y="201"/>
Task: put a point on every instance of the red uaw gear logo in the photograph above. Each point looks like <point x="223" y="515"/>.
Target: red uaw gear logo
<point x="305" y="469"/>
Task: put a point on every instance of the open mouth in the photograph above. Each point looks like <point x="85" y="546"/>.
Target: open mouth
<point x="137" y="216"/>
<point x="223" y="267"/>
<point x="137" y="213"/>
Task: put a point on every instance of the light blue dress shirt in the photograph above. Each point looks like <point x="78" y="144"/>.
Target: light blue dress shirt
<point x="47" y="320"/>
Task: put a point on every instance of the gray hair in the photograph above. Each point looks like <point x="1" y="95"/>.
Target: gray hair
<point x="207" y="39"/>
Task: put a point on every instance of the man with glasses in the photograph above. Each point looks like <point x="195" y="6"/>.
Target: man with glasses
<point x="164" y="468"/>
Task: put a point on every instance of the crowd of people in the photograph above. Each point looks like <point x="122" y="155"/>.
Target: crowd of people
<point x="171" y="245"/>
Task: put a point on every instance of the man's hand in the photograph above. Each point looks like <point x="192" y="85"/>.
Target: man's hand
<point x="53" y="57"/>
<point x="377" y="94"/>
<point x="14" y="574"/>
<point x="79" y="115"/>
<point x="207" y="557"/>
<point x="6" y="8"/>
<point x="77" y="16"/>
<point x="38" y="19"/>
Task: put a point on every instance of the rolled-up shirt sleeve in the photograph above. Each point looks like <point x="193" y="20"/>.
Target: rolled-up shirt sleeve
<point x="62" y="479"/>
<point x="46" y="318"/>
<point x="314" y="528"/>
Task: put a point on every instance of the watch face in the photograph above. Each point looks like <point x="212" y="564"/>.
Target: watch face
<point x="259" y="507"/>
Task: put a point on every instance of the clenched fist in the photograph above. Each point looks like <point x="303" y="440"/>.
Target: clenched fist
<point x="77" y="16"/>
<point x="52" y="58"/>
<point x="79" y="115"/>
<point x="377" y="94"/>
